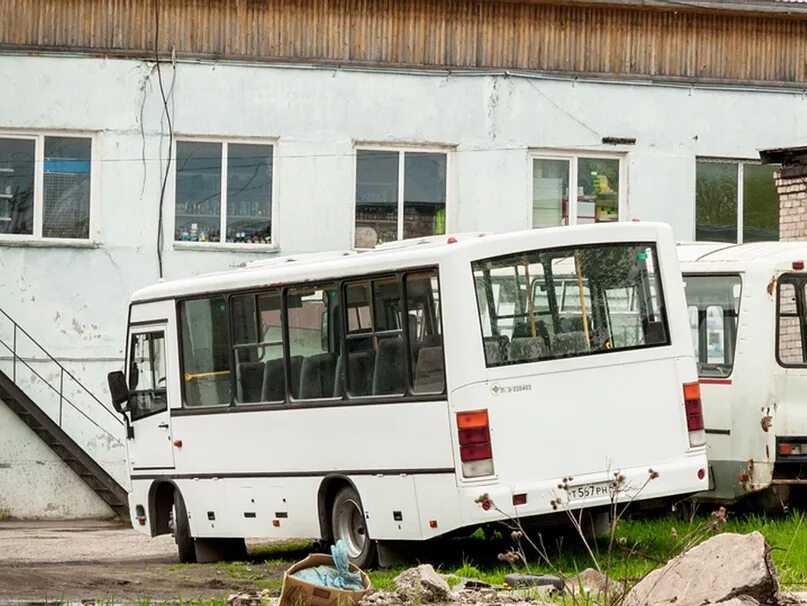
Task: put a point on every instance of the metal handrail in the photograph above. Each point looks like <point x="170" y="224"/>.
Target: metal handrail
<point x="62" y="372"/>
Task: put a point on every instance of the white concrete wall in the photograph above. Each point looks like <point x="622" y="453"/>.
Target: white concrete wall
<point x="35" y="483"/>
<point x="73" y="300"/>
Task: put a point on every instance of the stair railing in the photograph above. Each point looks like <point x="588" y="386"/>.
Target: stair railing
<point x="18" y="332"/>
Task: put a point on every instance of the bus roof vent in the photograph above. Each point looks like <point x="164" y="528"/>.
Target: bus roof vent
<point x="301" y="258"/>
<point x="430" y="240"/>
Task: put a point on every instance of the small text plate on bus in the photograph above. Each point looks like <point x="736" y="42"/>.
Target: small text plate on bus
<point x="593" y="490"/>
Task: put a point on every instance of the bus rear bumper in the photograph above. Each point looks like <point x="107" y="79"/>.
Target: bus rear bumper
<point x="485" y="503"/>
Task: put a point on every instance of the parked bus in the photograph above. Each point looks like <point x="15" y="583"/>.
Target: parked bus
<point x="747" y="310"/>
<point x="376" y="396"/>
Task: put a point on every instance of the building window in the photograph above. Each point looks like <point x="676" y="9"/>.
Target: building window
<point x="45" y="186"/>
<point x="595" y="197"/>
<point x="735" y="202"/>
<point x="224" y="188"/>
<point x="399" y="194"/>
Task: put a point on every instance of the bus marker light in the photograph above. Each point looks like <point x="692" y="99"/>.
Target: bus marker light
<point x="701" y="474"/>
<point x="432" y="523"/>
<point x="743" y="477"/>
<point x="276" y="523"/>
<point x="485" y="505"/>
<point x="798" y="264"/>
<point x="520" y="499"/>
<point x="451" y="240"/>
<point x="178" y="443"/>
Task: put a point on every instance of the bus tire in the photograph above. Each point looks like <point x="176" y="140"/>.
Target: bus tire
<point x="348" y="523"/>
<point x="186" y="547"/>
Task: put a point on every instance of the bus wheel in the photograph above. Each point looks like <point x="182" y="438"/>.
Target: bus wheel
<point x="348" y="523"/>
<point x="180" y="528"/>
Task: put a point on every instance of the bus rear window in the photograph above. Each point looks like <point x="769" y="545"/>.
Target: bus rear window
<point x="713" y="303"/>
<point x="563" y="302"/>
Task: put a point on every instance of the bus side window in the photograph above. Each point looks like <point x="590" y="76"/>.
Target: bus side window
<point x="790" y="341"/>
<point x="375" y="362"/>
<point x="310" y="314"/>
<point x="425" y="333"/>
<point x="258" y="348"/>
<point x="147" y="374"/>
<point x="205" y="351"/>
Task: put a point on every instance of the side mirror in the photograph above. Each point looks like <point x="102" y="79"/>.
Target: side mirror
<point x="119" y="390"/>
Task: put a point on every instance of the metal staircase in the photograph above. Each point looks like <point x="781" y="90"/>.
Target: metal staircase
<point x="26" y="353"/>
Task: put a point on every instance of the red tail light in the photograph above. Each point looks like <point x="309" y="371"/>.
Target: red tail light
<point x="476" y="453"/>
<point x="694" y="414"/>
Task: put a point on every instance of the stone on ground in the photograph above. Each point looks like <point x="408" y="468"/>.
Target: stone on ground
<point x="726" y="567"/>
<point x="593" y="583"/>
<point x="422" y="584"/>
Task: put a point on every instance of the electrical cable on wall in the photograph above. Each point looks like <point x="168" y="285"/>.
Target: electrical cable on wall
<point x="167" y="112"/>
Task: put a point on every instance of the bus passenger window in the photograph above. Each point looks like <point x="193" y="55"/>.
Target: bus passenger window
<point x="258" y="348"/>
<point x="375" y="361"/>
<point x="425" y="333"/>
<point x="205" y="351"/>
<point x="147" y="374"/>
<point x="791" y="323"/>
<point x="314" y="340"/>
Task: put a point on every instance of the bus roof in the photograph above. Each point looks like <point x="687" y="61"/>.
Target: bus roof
<point x="762" y="253"/>
<point x="413" y="253"/>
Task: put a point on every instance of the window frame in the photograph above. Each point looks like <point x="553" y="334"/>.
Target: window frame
<point x="573" y="156"/>
<point x="660" y="295"/>
<point x="800" y="282"/>
<point x="37" y="237"/>
<point x="702" y="338"/>
<point x="401" y="149"/>
<point x="290" y="403"/>
<point x="148" y="328"/>
<point x="740" y="162"/>
<point x="273" y="209"/>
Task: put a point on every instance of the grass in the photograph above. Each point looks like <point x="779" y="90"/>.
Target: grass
<point x="653" y="541"/>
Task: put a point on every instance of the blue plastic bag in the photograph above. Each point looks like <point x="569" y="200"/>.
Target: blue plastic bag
<point x="338" y="576"/>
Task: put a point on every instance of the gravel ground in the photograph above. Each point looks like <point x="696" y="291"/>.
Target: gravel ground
<point x="95" y="560"/>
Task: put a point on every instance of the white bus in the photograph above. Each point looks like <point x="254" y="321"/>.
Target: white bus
<point x="375" y="396"/>
<point x="748" y="308"/>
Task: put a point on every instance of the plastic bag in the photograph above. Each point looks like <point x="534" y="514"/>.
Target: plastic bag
<point x="339" y="575"/>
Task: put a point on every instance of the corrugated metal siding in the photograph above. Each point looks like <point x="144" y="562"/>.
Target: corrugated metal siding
<point x="444" y="33"/>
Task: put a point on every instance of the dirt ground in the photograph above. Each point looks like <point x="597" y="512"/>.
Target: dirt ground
<point x="104" y="561"/>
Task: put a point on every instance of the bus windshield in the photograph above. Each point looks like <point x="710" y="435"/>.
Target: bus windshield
<point x="713" y="302"/>
<point x="563" y="302"/>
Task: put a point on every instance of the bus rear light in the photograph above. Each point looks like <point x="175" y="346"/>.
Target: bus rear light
<point x="475" y="419"/>
<point x="788" y="449"/>
<point x="520" y="499"/>
<point x="476" y="452"/>
<point x="798" y="265"/>
<point x="694" y="414"/>
<point x="701" y="474"/>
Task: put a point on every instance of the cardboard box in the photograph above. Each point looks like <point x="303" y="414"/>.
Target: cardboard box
<point x="297" y="592"/>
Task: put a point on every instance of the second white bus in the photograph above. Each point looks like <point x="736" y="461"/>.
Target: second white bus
<point x="747" y="307"/>
<point x="376" y="396"/>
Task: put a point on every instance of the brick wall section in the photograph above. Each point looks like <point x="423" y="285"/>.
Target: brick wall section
<point x="791" y="183"/>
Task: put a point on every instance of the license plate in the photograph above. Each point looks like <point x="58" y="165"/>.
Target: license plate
<point x="594" y="490"/>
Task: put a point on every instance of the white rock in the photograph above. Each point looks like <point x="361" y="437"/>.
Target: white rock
<point x="422" y="584"/>
<point x="724" y="567"/>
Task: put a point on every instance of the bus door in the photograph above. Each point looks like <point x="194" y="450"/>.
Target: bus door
<point x="150" y="442"/>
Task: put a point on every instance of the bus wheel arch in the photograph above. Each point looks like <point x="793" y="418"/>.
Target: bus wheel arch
<point x="160" y="506"/>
